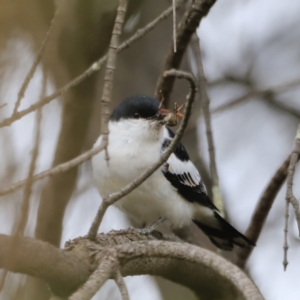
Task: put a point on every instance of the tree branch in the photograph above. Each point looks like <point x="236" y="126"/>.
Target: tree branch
<point x="197" y="10"/>
<point x="112" y="198"/>
<point x="205" y="102"/>
<point x="265" y="93"/>
<point x="290" y="198"/>
<point x="109" y="71"/>
<point x="207" y="274"/>
<point x="262" y="210"/>
<point x="121" y="285"/>
<point x="35" y="64"/>
<point x="55" y="170"/>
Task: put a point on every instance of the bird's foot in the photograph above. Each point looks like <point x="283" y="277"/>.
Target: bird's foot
<point x="149" y="229"/>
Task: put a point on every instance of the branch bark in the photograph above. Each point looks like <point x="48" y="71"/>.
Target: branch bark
<point x="207" y="274"/>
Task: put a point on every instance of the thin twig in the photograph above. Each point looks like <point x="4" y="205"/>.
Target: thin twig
<point x="112" y="198"/>
<point x="55" y="170"/>
<point x="216" y="191"/>
<point x="174" y="24"/>
<point x="121" y="285"/>
<point x="262" y="210"/>
<point x="261" y="93"/>
<point x="109" y="71"/>
<point x="88" y="72"/>
<point x="35" y="63"/>
<point x="197" y="10"/>
<point x="106" y="268"/>
<point x="290" y="198"/>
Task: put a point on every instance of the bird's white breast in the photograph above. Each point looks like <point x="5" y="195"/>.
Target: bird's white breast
<point x="133" y="148"/>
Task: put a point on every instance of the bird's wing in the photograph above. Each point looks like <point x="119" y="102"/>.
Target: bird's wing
<point x="183" y="175"/>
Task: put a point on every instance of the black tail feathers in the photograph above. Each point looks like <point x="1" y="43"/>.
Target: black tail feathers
<point x="223" y="235"/>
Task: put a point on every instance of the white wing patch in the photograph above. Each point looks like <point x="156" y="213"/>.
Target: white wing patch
<point x="186" y="172"/>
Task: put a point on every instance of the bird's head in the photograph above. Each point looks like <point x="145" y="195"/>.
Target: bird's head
<point x="141" y="115"/>
<point x="142" y="111"/>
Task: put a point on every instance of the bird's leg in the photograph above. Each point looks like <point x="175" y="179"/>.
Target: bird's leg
<point x="148" y="229"/>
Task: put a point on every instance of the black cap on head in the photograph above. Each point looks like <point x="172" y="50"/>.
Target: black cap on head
<point x="138" y="107"/>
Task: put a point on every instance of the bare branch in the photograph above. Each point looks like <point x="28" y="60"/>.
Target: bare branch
<point x="55" y="170"/>
<point x="197" y="10"/>
<point x="265" y="93"/>
<point x="121" y="285"/>
<point x="112" y="198"/>
<point x="35" y="63"/>
<point x="174" y="25"/>
<point x="92" y="69"/>
<point x="205" y="101"/>
<point x="103" y="272"/>
<point x="109" y="71"/>
<point x="63" y="270"/>
<point x="290" y="198"/>
<point x="262" y="210"/>
<point x="207" y="274"/>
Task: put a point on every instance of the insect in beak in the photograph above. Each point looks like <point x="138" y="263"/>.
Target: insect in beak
<point x="170" y="117"/>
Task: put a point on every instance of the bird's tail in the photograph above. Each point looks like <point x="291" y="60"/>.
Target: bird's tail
<point x="222" y="234"/>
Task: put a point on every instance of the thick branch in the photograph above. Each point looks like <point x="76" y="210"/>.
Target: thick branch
<point x="64" y="271"/>
<point x="206" y="273"/>
<point x="197" y="10"/>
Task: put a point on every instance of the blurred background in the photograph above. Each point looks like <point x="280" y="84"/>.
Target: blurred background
<point x="251" y="57"/>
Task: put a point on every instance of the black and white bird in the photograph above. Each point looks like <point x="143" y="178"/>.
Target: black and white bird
<point x="174" y="192"/>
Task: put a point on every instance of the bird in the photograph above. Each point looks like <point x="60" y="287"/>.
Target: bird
<point x="175" y="192"/>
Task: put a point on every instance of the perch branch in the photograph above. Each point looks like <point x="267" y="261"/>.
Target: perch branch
<point x="290" y="198"/>
<point x="197" y="10"/>
<point x="216" y="191"/>
<point x="112" y="198"/>
<point x="92" y="69"/>
<point x="207" y="274"/>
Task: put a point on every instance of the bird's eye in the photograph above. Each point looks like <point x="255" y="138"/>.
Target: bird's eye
<point x="136" y="115"/>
